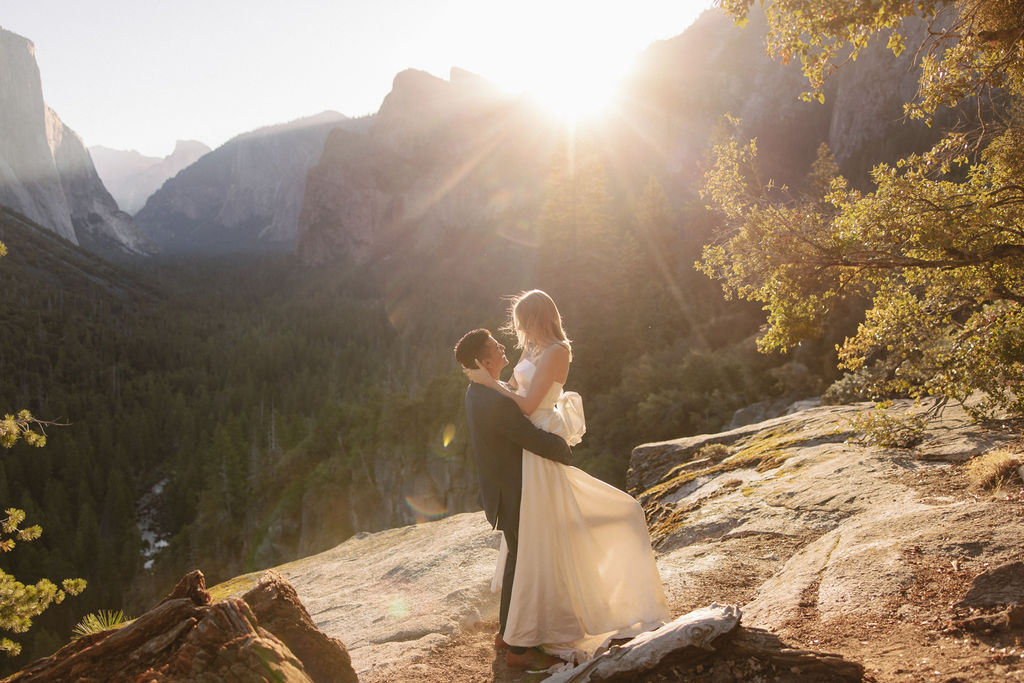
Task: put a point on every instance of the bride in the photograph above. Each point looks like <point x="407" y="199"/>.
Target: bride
<point x="586" y="571"/>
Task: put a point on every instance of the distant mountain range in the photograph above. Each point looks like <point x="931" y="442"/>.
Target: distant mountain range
<point x="132" y="177"/>
<point x="244" y="196"/>
<point x="441" y="157"/>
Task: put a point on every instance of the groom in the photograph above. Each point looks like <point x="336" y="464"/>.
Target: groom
<point x="499" y="432"/>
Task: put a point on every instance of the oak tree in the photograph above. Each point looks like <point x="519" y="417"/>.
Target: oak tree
<point x="937" y="246"/>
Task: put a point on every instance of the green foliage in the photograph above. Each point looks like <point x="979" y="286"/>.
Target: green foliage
<point x="21" y="603"/>
<point x="102" y="620"/>
<point x="13" y="427"/>
<point x="937" y="246"/>
<point x="880" y="427"/>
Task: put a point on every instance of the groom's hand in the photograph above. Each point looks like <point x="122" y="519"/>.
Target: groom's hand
<point x="480" y="375"/>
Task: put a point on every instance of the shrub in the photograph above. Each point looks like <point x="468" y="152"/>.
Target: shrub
<point x="103" y="620"/>
<point x="878" y="427"/>
<point x="852" y="387"/>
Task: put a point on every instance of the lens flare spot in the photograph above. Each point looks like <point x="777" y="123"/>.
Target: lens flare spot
<point x="426" y="508"/>
<point x="448" y="435"/>
<point x="398" y="608"/>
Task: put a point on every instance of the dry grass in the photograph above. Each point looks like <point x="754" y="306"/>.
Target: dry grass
<point x="993" y="469"/>
<point x="717" y="452"/>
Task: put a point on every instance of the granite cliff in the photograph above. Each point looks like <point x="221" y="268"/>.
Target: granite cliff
<point x="132" y="177"/>
<point x="245" y="195"/>
<point x="683" y="85"/>
<point x="46" y="173"/>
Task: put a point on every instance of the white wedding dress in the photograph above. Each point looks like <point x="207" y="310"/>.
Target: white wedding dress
<point x="585" y="572"/>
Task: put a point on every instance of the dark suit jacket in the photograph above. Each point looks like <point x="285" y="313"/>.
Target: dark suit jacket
<point x="499" y="433"/>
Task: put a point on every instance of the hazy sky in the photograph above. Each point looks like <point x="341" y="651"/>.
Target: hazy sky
<point x="140" y="74"/>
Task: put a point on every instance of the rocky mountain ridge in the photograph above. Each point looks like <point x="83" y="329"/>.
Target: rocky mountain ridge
<point x="132" y="177"/>
<point x="442" y="158"/>
<point x="46" y="173"/>
<point x="432" y="162"/>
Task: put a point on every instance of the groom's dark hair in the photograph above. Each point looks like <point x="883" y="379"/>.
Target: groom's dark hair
<point x="470" y="348"/>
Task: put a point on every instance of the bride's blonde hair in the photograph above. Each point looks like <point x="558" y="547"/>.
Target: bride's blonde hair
<point x="534" y="319"/>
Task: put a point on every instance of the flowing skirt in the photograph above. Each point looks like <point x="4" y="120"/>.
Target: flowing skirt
<point x="585" y="571"/>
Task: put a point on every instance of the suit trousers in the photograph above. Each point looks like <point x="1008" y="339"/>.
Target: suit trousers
<point x="512" y="541"/>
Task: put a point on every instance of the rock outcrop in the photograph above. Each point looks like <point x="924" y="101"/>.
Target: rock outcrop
<point x="873" y="555"/>
<point x="132" y="178"/>
<point x="46" y="173"/>
<point x="264" y="635"/>
<point x="395" y="596"/>
<point x="245" y="195"/>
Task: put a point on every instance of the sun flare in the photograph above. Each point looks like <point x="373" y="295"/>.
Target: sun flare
<point x="569" y="57"/>
<point x="573" y="94"/>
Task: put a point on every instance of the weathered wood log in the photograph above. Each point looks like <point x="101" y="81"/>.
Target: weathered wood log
<point x="185" y="638"/>
<point x="279" y="610"/>
<point x="709" y="642"/>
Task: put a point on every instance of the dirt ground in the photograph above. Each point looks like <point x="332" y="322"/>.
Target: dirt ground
<point x="925" y="638"/>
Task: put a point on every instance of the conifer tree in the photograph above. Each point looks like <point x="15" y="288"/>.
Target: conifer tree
<point x="20" y="603"/>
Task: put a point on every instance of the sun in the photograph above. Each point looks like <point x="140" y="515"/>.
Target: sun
<point x="574" y="92"/>
<point x="569" y="57"/>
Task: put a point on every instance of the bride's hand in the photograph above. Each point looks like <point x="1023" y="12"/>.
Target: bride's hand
<point x="480" y="376"/>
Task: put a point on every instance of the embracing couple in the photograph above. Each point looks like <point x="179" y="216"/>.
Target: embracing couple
<point x="575" y="568"/>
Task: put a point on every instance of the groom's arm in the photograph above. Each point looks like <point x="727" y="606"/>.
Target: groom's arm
<point x="512" y="424"/>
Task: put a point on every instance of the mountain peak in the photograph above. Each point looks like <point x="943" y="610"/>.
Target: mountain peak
<point x="189" y="147"/>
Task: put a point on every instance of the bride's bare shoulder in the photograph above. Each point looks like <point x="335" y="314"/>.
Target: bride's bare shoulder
<point x="557" y="355"/>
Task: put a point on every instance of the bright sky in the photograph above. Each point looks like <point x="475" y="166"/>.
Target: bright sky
<point x="140" y="74"/>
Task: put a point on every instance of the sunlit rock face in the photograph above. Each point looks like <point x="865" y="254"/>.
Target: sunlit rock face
<point x="132" y="177"/>
<point x="683" y="86"/>
<point x="45" y="171"/>
<point x="245" y="195"/>
<point x="442" y="159"/>
<point x="868" y="123"/>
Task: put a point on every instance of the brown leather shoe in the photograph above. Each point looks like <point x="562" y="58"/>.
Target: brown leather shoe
<point x="533" y="660"/>
<point x="499" y="642"/>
